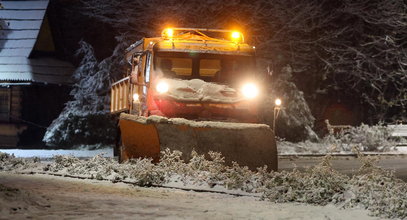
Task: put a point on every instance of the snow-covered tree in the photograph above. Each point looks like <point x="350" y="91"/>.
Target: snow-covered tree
<point x="85" y="119"/>
<point x="367" y="57"/>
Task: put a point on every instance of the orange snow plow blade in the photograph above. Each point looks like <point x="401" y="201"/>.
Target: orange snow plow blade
<point x="251" y="145"/>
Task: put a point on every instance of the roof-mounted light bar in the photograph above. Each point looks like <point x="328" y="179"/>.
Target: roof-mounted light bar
<point x="235" y="36"/>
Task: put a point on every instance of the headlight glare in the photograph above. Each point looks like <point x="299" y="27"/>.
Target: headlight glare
<point x="250" y="90"/>
<point x="162" y="87"/>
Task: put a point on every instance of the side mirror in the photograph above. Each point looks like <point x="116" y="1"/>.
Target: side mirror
<point x="133" y="76"/>
<point x="133" y="72"/>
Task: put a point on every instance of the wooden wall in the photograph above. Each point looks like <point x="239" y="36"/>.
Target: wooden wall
<point x="41" y="104"/>
<point x="11" y="128"/>
<point x="15" y="102"/>
<point x="33" y="108"/>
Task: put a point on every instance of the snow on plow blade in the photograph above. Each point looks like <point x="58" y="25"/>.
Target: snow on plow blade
<point x="251" y="145"/>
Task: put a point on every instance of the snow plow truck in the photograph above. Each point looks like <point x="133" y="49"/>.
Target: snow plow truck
<point x="192" y="90"/>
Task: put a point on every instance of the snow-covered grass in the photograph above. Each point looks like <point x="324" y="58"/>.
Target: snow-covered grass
<point x="42" y="153"/>
<point x="363" y="138"/>
<point x="373" y="188"/>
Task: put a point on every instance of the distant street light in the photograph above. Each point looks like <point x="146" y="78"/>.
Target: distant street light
<point x="278" y="102"/>
<point x="277" y="108"/>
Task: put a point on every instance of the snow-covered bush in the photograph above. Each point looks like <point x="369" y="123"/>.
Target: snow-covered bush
<point x="197" y="170"/>
<point x="10" y="162"/>
<point x="318" y="185"/>
<point x="377" y="190"/>
<point x="239" y="177"/>
<point x="90" y="129"/>
<point x="364" y="138"/>
<point x="5" y="157"/>
<point x="171" y="162"/>
<point x="146" y="173"/>
<point x="209" y="171"/>
<point x="5" y="160"/>
<point x="62" y="162"/>
<point x="380" y="193"/>
<point x="141" y="171"/>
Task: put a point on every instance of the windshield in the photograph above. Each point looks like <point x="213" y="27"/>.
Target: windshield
<point x="208" y="67"/>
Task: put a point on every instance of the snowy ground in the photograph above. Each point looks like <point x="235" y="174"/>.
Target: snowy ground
<point x="43" y="153"/>
<point x="50" y="197"/>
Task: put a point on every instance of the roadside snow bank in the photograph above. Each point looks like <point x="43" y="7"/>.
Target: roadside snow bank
<point x="364" y="138"/>
<point x="373" y="188"/>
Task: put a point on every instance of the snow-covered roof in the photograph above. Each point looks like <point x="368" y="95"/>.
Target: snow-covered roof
<point x="21" y="23"/>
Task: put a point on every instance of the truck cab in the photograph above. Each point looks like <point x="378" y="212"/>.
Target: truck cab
<point x="199" y="74"/>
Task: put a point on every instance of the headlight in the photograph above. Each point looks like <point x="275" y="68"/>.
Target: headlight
<point x="250" y="90"/>
<point x="135" y="97"/>
<point x="162" y="87"/>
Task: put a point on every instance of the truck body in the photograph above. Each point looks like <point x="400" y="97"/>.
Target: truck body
<point x="188" y="90"/>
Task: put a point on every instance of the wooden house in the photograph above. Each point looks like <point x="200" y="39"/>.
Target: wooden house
<point x="34" y="81"/>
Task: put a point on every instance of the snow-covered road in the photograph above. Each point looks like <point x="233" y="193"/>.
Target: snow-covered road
<point x="50" y="197"/>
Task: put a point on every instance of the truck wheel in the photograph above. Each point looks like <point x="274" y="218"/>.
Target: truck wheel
<point x="117" y="151"/>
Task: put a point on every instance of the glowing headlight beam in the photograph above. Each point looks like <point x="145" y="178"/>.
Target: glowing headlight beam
<point x="162" y="87"/>
<point x="250" y="90"/>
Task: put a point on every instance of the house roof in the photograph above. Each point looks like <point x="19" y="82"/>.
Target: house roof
<point x="21" y="26"/>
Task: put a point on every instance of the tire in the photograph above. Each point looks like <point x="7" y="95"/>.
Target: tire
<point x="117" y="150"/>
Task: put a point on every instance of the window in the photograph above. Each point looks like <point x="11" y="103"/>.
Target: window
<point x="209" y="67"/>
<point x="4" y="104"/>
<point x="174" y="66"/>
<point x="235" y="69"/>
<point x="222" y="68"/>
